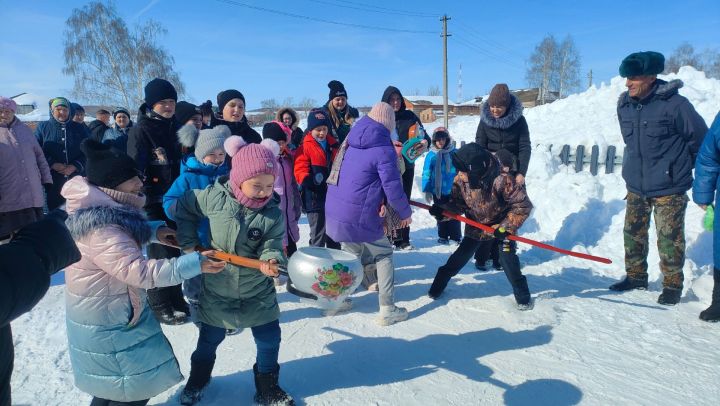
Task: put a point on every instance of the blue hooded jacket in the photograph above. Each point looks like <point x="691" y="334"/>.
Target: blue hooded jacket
<point x="705" y="187"/>
<point x="196" y="175"/>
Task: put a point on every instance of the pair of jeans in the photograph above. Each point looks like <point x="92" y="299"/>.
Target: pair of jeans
<point x="267" y="341"/>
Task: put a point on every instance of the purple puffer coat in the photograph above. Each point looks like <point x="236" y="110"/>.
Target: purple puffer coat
<point x="369" y="177"/>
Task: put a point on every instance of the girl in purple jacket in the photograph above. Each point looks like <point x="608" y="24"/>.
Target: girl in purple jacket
<point x="356" y="198"/>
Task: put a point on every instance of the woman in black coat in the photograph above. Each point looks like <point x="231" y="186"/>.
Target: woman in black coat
<point x="503" y="127"/>
<point x="407" y="125"/>
<point x="36" y="251"/>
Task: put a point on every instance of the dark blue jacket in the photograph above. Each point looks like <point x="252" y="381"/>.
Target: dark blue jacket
<point x="117" y="137"/>
<point x="706" y="187"/>
<point x="662" y="134"/>
<point x="61" y="141"/>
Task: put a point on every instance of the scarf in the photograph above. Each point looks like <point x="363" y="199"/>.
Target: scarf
<point x="129" y="199"/>
<point x="442" y="162"/>
<point x="334" y="176"/>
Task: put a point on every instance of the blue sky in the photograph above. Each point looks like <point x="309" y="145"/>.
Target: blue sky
<point x="219" y="45"/>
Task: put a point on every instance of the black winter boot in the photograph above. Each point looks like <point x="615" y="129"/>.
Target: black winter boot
<point x="670" y="296"/>
<point x="522" y="293"/>
<point x="200" y="373"/>
<point x="268" y="390"/>
<point x="630" y="283"/>
<point x="712" y="313"/>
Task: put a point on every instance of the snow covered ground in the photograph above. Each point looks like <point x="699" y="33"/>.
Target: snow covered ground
<point x="581" y="344"/>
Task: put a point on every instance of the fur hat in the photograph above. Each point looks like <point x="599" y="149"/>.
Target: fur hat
<point x="105" y="166"/>
<point x="184" y="112"/>
<point x="642" y="64"/>
<point x="276" y="131"/>
<point x="7" y="103"/>
<point x="480" y="165"/>
<point x="499" y="96"/>
<point x="316" y="118"/>
<point x="382" y="113"/>
<point x="336" y="89"/>
<point x="204" y="141"/>
<point x="157" y="90"/>
<point x="248" y="161"/>
<point x="226" y="95"/>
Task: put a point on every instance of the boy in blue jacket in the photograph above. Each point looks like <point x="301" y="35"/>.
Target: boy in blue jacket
<point x="202" y="167"/>
<point x="437" y="180"/>
<point x="707" y="168"/>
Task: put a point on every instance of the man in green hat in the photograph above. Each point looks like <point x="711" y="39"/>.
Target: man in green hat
<point x="662" y="134"/>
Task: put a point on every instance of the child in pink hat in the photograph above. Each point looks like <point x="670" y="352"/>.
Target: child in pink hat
<point x="246" y="220"/>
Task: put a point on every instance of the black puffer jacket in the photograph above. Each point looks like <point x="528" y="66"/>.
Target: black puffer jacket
<point x="26" y="263"/>
<point x="240" y="128"/>
<point x="404" y="119"/>
<point x="152" y="132"/>
<point x="509" y="132"/>
<point x="662" y="134"/>
<point x="97" y="130"/>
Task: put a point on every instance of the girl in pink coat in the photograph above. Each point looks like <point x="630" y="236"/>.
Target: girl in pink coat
<point x="117" y="349"/>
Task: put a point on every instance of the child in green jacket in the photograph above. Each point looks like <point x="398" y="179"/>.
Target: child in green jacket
<point x="245" y="220"/>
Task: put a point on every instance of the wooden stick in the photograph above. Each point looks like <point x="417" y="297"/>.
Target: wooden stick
<point x="538" y="244"/>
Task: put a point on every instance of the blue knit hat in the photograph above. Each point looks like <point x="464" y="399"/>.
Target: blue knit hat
<point x="316" y="118"/>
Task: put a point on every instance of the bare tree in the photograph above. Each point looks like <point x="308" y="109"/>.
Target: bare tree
<point x="542" y="66"/>
<point x="434" y="91"/>
<point x="289" y="102"/>
<point x="307" y="104"/>
<point x="711" y="63"/>
<point x="269" y="104"/>
<point x="109" y="63"/>
<point x="568" y="67"/>
<point x="683" y="55"/>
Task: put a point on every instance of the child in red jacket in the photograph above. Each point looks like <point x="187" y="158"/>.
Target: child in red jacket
<point x="313" y="160"/>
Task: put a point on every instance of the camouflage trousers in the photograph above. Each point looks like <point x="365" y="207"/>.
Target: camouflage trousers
<point x="670" y="224"/>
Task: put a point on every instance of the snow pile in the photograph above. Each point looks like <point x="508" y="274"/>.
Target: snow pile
<point x="580" y="344"/>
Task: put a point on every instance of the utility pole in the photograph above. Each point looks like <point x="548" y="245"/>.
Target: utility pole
<point x="444" y="35"/>
<point x="590" y="83"/>
<point x="459" y="91"/>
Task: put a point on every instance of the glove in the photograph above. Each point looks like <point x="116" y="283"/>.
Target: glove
<point x="436" y="211"/>
<point x="51" y="241"/>
<point x="500" y="233"/>
<point x="429" y="197"/>
<point x="47" y="187"/>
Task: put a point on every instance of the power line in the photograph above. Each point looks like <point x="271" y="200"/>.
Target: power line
<point x="373" y="9"/>
<point x="322" y="20"/>
<point x="487" y="54"/>
<point x="499" y="46"/>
